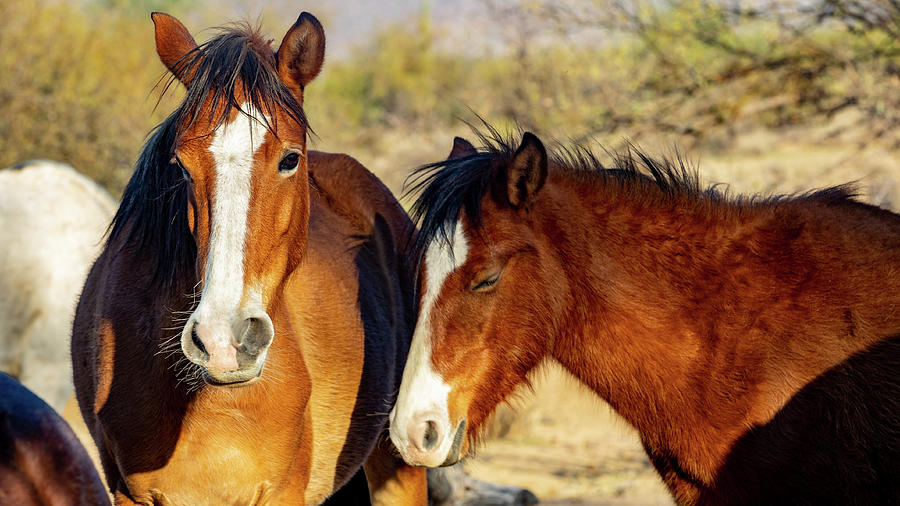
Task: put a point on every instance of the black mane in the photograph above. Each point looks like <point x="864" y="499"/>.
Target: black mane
<point x="152" y="217"/>
<point x="447" y="187"/>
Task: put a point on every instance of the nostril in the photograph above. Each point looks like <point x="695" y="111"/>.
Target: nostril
<point x="196" y="340"/>
<point x="241" y="333"/>
<point x="431" y="435"/>
<point x="254" y="334"/>
<point x="250" y="327"/>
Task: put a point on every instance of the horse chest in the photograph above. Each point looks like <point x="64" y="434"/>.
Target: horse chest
<point x="225" y="458"/>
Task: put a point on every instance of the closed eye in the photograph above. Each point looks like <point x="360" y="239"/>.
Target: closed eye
<point x="487" y="284"/>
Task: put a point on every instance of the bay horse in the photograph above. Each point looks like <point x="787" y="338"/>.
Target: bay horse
<point x="52" y="221"/>
<point x="754" y="343"/>
<point x="241" y="337"/>
<point x="41" y="460"/>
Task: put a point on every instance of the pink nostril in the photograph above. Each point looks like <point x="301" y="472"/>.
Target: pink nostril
<point x="224" y="359"/>
<point x="425" y="435"/>
<point x="215" y="352"/>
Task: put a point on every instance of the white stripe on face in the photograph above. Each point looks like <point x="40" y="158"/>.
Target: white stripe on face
<point x="233" y="148"/>
<point x="423" y="390"/>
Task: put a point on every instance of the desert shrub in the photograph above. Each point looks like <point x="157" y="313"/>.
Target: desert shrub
<point x="77" y="78"/>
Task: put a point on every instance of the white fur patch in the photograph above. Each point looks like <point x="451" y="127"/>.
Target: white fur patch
<point x="233" y="147"/>
<point x="423" y="391"/>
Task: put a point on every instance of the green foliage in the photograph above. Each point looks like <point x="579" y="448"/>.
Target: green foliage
<point x="78" y="79"/>
<point x="398" y="80"/>
<point x="685" y="67"/>
<point x="76" y="87"/>
<point x="139" y="8"/>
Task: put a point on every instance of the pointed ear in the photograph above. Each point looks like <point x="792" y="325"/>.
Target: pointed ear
<point x="301" y="53"/>
<point x="527" y="171"/>
<point x="461" y="148"/>
<point x="173" y="42"/>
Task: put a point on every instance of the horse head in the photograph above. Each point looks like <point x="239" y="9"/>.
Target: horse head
<point x="240" y="143"/>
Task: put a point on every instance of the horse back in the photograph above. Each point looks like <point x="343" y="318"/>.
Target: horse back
<point x="41" y="460"/>
<point x="52" y="220"/>
<point x="352" y="191"/>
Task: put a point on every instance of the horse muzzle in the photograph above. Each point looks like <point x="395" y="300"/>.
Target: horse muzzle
<point x="426" y="440"/>
<point x="231" y="353"/>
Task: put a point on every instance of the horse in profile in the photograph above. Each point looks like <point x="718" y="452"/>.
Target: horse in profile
<point x="41" y="460"/>
<point x="754" y="343"/>
<point x="240" y="339"/>
<point x="52" y="221"/>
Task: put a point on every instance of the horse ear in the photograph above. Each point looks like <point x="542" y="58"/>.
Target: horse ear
<point x="461" y="148"/>
<point x="302" y="52"/>
<point x="173" y="43"/>
<point x="527" y="171"/>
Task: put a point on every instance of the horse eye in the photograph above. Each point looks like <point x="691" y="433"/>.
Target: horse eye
<point x="486" y="284"/>
<point x="289" y="162"/>
<point x="184" y="173"/>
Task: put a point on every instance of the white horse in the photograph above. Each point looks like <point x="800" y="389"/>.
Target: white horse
<point x="52" y="225"/>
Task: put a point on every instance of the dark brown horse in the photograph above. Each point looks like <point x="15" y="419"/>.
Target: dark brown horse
<point x="241" y="337"/>
<point x="41" y="460"/>
<point x="754" y="343"/>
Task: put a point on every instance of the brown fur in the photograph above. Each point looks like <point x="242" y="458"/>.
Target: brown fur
<point x="324" y="245"/>
<point x="753" y="343"/>
<point x="41" y="460"/>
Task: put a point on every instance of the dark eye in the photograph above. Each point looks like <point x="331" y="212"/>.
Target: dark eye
<point x="487" y="284"/>
<point x="184" y="173"/>
<point x="289" y="162"/>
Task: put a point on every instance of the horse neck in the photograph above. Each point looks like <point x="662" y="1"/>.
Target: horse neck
<point x="670" y="314"/>
<point x="619" y="337"/>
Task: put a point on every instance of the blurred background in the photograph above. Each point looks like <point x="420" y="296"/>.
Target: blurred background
<point x="763" y="96"/>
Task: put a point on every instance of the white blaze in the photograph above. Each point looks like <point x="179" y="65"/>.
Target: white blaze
<point x="423" y="390"/>
<point x="233" y="148"/>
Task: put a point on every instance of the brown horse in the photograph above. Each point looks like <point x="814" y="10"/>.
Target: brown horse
<point x="41" y="460"/>
<point x="754" y="343"/>
<point x="241" y="337"/>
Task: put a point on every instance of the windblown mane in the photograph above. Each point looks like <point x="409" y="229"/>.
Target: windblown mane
<point x="447" y="187"/>
<point x="152" y="216"/>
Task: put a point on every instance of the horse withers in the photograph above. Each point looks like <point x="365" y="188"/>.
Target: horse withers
<point x="754" y="343"/>
<point x="241" y="337"/>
